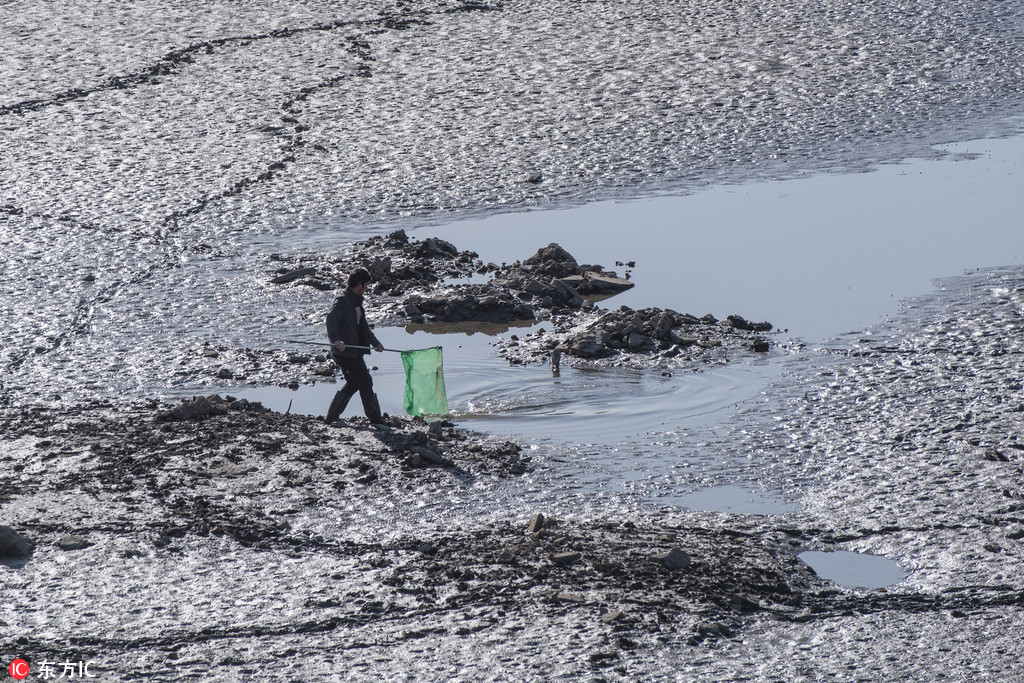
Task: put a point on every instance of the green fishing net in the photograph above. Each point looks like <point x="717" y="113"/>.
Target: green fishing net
<point x="424" y="382"/>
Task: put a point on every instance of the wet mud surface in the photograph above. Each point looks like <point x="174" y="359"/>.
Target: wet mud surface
<point x="163" y="167"/>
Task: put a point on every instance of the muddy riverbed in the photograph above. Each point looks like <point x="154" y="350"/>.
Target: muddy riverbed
<point x="211" y="537"/>
<point x="181" y="186"/>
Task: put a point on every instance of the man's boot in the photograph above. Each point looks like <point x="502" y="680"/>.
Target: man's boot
<point x="372" y="408"/>
<point x="337" y="406"/>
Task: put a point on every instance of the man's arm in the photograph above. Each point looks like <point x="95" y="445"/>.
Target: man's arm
<point x="334" y="322"/>
<point x="341" y="324"/>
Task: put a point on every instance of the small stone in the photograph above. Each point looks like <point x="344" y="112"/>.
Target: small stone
<point x="293" y="275"/>
<point x="368" y="478"/>
<point x="609" y="617"/>
<point x="224" y="373"/>
<point x="572" y="597"/>
<point x="635" y="341"/>
<point x="708" y="629"/>
<point x="549" y="594"/>
<point x="673" y="559"/>
<point x="745" y="603"/>
<point x="566" y="558"/>
<point x="428" y="455"/>
<point x="536" y="524"/>
<point x="72" y="543"/>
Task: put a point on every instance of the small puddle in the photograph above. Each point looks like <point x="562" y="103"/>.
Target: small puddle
<point x="733" y="499"/>
<point x="854" y="570"/>
<point x="580" y="405"/>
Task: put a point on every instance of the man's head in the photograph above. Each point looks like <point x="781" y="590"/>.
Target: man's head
<point x="358" y="280"/>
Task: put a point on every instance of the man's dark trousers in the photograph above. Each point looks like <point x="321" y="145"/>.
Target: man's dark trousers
<point x="357" y="378"/>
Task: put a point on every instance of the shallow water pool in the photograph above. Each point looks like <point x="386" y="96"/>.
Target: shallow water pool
<point x="854" y="570"/>
<point x="592" y="406"/>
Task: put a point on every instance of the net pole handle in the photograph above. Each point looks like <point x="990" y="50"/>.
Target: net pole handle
<point x="347" y="346"/>
<point x="367" y="348"/>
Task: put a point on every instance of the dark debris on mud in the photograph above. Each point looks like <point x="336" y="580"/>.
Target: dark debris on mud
<point x="168" y="485"/>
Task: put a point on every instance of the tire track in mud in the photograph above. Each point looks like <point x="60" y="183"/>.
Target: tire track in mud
<point x="166" y="66"/>
<point x="171" y="62"/>
<point x="176" y="59"/>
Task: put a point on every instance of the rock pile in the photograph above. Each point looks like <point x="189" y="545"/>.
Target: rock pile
<point x="429" y="281"/>
<point x="548" y="283"/>
<point x="641" y="337"/>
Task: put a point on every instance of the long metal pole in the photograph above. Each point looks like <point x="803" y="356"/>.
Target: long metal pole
<point x="347" y="346"/>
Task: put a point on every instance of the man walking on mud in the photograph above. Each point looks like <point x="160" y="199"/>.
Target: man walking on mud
<point x="347" y="327"/>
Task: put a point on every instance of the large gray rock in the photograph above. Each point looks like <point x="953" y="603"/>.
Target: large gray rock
<point x="587" y="348"/>
<point x="12" y="545"/>
<point x="433" y="247"/>
<point x="635" y="341"/>
<point x="428" y="455"/>
<point x="596" y="283"/>
<point x="196" y="409"/>
<point x="380" y="267"/>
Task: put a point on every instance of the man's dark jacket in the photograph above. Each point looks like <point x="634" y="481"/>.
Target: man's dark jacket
<point x="346" y="322"/>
